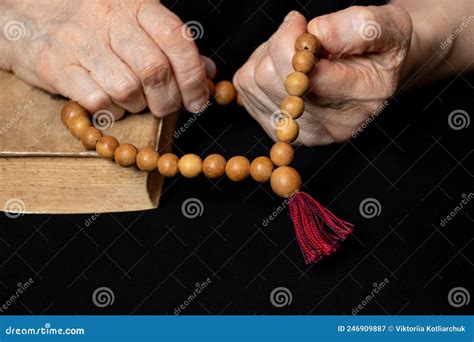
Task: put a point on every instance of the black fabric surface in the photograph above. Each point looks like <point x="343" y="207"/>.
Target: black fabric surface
<point x="409" y="159"/>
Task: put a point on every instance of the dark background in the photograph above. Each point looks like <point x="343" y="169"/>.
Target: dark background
<point x="409" y="160"/>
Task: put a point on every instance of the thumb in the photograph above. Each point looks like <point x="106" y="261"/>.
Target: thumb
<point x="281" y="44"/>
<point x="355" y="30"/>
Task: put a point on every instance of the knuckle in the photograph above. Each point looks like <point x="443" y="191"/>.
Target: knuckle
<point x="155" y="73"/>
<point x="172" y="27"/>
<point x="45" y="65"/>
<point x="166" y="110"/>
<point x="244" y="79"/>
<point x="364" y="14"/>
<point x="95" y="101"/>
<point x="263" y="74"/>
<point x="125" y="89"/>
<point x="402" y="19"/>
<point x="193" y="79"/>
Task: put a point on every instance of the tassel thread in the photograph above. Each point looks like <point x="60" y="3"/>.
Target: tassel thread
<point x="318" y="231"/>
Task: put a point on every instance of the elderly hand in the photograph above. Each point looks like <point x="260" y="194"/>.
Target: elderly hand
<point x="105" y="54"/>
<point x="364" y="49"/>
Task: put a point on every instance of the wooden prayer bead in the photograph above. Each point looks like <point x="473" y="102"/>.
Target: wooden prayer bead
<point x="168" y="165"/>
<point x="237" y="168"/>
<point x="90" y="136"/>
<point x="297" y="83"/>
<point x="309" y="42"/>
<point x="293" y="105"/>
<point x="106" y="146"/>
<point x="147" y="159"/>
<point x="211" y="86"/>
<point x="287" y="132"/>
<point x="190" y="165"/>
<point x="225" y="93"/>
<point x="214" y="166"/>
<point x="261" y="169"/>
<point x="78" y="125"/>
<point x="125" y="155"/>
<point x="72" y="110"/>
<point x="284" y="181"/>
<point x="282" y="154"/>
<point x="303" y="61"/>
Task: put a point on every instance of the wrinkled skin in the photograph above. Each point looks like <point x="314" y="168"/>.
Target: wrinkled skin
<point x="108" y="54"/>
<point x="364" y="49"/>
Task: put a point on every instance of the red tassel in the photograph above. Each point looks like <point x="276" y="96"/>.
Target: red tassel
<point x="318" y="230"/>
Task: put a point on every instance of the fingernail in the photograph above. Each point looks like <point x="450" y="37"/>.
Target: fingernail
<point x="321" y="28"/>
<point x="198" y="106"/>
<point x="290" y="16"/>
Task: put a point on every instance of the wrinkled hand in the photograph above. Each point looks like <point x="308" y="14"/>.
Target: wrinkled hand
<point x="364" y="49"/>
<point x="107" y="54"/>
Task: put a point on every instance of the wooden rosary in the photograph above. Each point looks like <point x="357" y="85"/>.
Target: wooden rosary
<point x="318" y="231"/>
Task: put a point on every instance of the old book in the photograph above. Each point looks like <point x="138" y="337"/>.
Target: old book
<point x="44" y="169"/>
